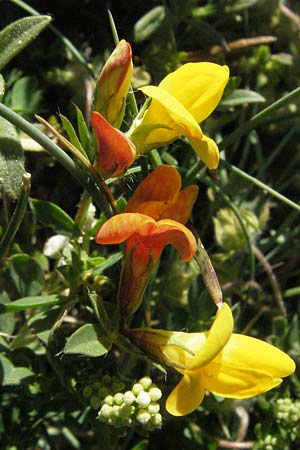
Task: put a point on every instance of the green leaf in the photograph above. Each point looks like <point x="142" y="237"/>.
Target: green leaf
<point x="84" y="135"/>
<point x="85" y="341"/>
<point x="25" y="96"/>
<point x="7" y="321"/>
<point x="51" y="215"/>
<point x="149" y="23"/>
<point x="17" y="35"/>
<point x="72" y="134"/>
<point x="142" y="445"/>
<point x="2" y="87"/>
<point x="109" y="262"/>
<point x="11" y="375"/>
<point x="29" y="303"/>
<point x="241" y="96"/>
<point x="26" y="274"/>
<point x="11" y="160"/>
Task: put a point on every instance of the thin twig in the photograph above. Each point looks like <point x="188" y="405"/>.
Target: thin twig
<point x="272" y="277"/>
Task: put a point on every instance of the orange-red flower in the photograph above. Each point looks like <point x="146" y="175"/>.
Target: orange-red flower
<point x="115" y="151"/>
<point x="145" y="239"/>
<point x="159" y="196"/>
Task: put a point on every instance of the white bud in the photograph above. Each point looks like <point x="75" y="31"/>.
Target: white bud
<point x="129" y="398"/>
<point x="143" y="417"/>
<point x="155" y="394"/>
<point x="118" y="398"/>
<point x="137" y="388"/>
<point x="153" y="408"/>
<point x="143" y="399"/>
<point x="105" y="411"/>
<point x="145" y="382"/>
<point x="109" y="400"/>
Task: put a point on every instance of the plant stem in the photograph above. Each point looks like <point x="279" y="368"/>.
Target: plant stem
<point x="258" y="119"/>
<point x="17" y="216"/>
<point x="273" y="280"/>
<point x="261" y="185"/>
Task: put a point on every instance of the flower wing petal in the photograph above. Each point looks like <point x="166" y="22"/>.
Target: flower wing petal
<point x="247" y="367"/>
<point x="182" y="205"/>
<point x="171" y="232"/>
<point x="187" y="395"/>
<point x="165" y="109"/>
<point x="207" y="150"/>
<point x="198" y="86"/>
<point x="120" y="227"/>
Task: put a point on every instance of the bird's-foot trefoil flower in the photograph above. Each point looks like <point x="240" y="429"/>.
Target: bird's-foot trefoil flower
<point x="182" y="100"/>
<point x="144" y="240"/>
<point x="113" y="84"/>
<point x="219" y="361"/>
<point x="115" y="151"/>
<point x="159" y="196"/>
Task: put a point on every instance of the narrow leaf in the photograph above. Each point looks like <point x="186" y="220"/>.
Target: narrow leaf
<point x="242" y="96"/>
<point x="72" y="134"/>
<point x="51" y="215"/>
<point x="11" y="160"/>
<point x="17" y="35"/>
<point x="149" y="23"/>
<point x="29" y="303"/>
<point x="84" y="135"/>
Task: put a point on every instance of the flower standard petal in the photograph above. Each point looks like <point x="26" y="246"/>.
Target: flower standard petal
<point x="160" y="185"/>
<point x="198" y="86"/>
<point x="159" y="196"/>
<point x="246" y="367"/>
<point x="187" y="395"/>
<point x="172" y="120"/>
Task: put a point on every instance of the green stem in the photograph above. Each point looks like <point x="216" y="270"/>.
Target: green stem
<point x="258" y="119"/>
<point x="56" y="152"/>
<point x="17" y="216"/>
<point x="77" y="55"/>
<point x="261" y="185"/>
<point x="155" y="158"/>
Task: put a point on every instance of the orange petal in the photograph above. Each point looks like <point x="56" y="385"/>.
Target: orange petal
<point x="182" y="205"/>
<point x="176" y="234"/>
<point x="115" y="151"/>
<point x="120" y="227"/>
<point x="160" y="185"/>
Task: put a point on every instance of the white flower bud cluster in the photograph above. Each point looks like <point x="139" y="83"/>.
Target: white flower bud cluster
<point x="288" y="415"/>
<point x="270" y="442"/>
<point x="136" y="407"/>
<point x="97" y="389"/>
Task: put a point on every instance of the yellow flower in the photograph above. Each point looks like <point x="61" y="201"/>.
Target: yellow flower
<point x="226" y="364"/>
<point x="182" y="100"/>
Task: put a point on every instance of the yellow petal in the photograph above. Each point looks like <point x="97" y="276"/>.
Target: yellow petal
<point x="167" y="111"/>
<point x="246" y="367"/>
<point x="217" y="338"/>
<point x="198" y="86"/>
<point x="208" y="151"/>
<point x="187" y="395"/>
